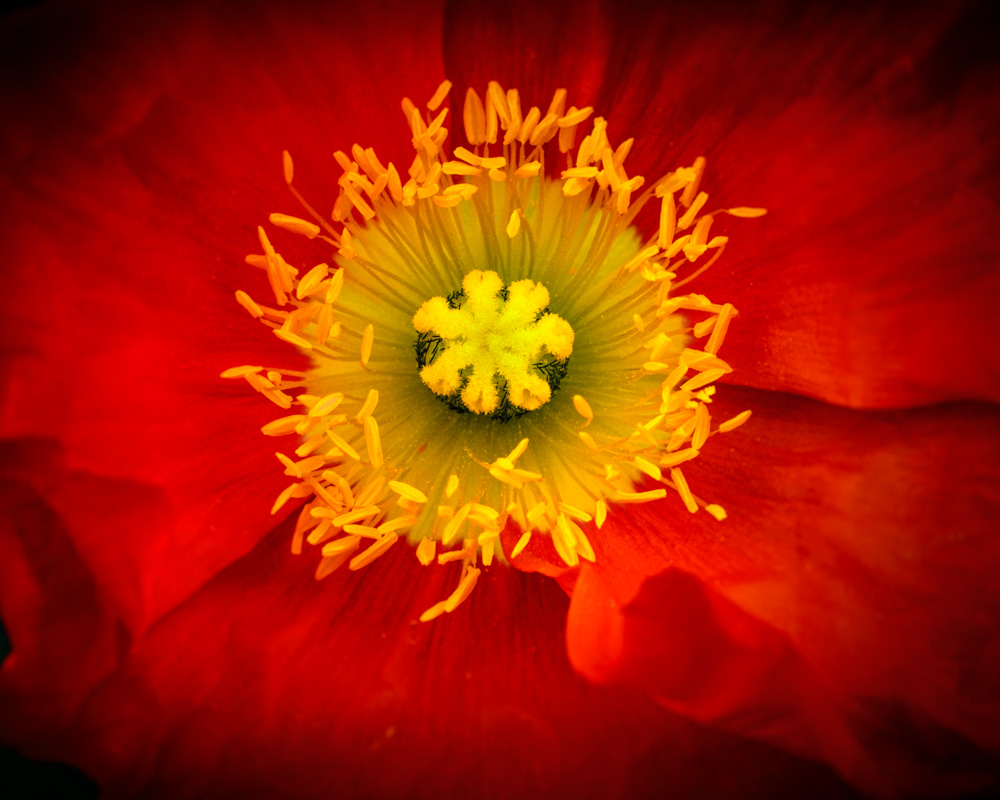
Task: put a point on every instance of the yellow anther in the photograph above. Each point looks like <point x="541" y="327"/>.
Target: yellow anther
<point x="407" y="491"/>
<point x="529" y="170"/>
<point x="521" y="544"/>
<point x="373" y="442"/>
<point x="525" y="475"/>
<point x="283" y="426"/>
<point x="518" y="450"/>
<point x="504" y="476"/>
<point x="447" y="201"/>
<point x="575" y="513"/>
<point x="367" y="531"/>
<point x="356" y="515"/>
<point x="565" y="542"/>
<point x="580" y="172"/>
<point x="467" y="156"/>
<point x="583" y="408"/>
<point x="702" y="379"/>
<point x="600" y="514"/>
<point x="698" y="169"/>
<point x="336" y="285"/>
<point x="528" y="125"/>
<point x="640" y="257"/>
<point x="326" y="405"/>
<point x="240" y="372"/>
<point x="367" y="341"/>
<point x="462" y="190"/>
<point x="583" y="548"/>
<point x="537" y="512"/>
<point x="464" y="589"/>
<point x="373" y="552"/>
<point x="474" y="118"/>
<point x="692" y="212"/>
<point x="720" y="329"/>
<point x="668" y="221"/>
<point x="460" y="168"/>
<point x="514" y="225"/>
<point x="649" y="468"/>
<point x="245" y="300"/>
<point x="397" y="524"/>
<point x="341" y="444"/>
<point x="735" y="422"/>
<point x="311" y="281"/>
<point x="704" y="327"/>
<point x="341" y="546"/>
<point x="293" y="338"/>
<point x="681" y="484"/>
<point x="426" y="550"/>
<point x="283" y="498"/>
<point x="367" y="407"/>
<point x="678" y="457"/>
<point x="575" y="116"/>
<point x="454" y="526"/>
<point x="640" y="497"/>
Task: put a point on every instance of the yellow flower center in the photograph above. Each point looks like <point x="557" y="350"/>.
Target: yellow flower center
<point x="565" y="372"/>
<point x="488" y="349"/>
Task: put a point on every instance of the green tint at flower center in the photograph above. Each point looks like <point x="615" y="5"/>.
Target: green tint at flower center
<point x="492" y="350"/>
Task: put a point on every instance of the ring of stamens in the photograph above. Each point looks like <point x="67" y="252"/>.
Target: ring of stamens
<point x="378" y="455"/>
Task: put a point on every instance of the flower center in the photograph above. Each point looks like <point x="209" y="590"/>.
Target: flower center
<point x="547" y="450"/>
<point x="492" y="350"/>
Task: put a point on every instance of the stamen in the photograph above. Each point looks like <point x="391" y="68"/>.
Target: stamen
<point x="295" y="225"/>
<point x="494" y="287"/>
<point x="373" y="442"/>
<point x="735" y="422"/>
<point x="682" y="488"/>
<point x="373" y="552"/>
<point x="583" y="408"/>
<point x="367" y="340"/>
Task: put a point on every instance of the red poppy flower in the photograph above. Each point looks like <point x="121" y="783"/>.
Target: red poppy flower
<point x="839" y="628"/>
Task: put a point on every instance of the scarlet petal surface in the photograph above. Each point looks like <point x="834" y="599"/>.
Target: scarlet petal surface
<point x="868" y="135"/>
<point x="268" y="683"/>
<point x="133" y="175"/>
<point x="865" y="539"/>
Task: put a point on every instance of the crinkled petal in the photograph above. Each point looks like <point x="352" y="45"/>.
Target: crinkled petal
<point x="864" y="538"/>
<point x="267" y="683"/>
<point x="134" y="176"/>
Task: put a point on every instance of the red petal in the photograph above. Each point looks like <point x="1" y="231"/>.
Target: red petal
<point x="862" y="538"/>
<point x="267" y="683"/>
<point x="699" y="654"/>
<point x="535" y="48"/>
<point x="133" y="186"/>
<point x="868" y="134"/>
